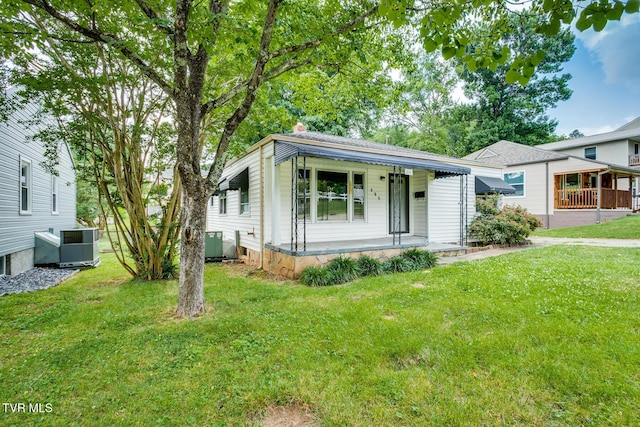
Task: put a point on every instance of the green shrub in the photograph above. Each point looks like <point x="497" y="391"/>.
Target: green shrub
<point x="369" y="266"/>
<point x="420" y="258"/>
<point x="316" y="276"/>
<point x="343" y="269"/>
<point x="398" y="264"/>
<point x="512" y="225"/>
<point x="488" y="205"/>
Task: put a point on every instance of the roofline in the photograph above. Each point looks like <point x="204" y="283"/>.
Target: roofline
<point x="420" y="154"/>
<point x="616" y="135"/>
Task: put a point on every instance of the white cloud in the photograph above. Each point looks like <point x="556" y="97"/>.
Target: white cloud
<point x="617" y="50"/>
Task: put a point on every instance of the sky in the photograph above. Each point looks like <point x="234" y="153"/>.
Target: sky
<point x="606" y="80"/>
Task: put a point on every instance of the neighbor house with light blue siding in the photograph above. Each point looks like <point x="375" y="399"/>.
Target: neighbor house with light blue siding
<point x="32" y="198"/>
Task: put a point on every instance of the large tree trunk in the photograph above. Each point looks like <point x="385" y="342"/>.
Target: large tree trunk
<point x="194" y="222"/>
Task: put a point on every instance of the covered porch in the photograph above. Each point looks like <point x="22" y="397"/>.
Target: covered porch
<point x="606" y="188"/>
<point x="284" y="261"/>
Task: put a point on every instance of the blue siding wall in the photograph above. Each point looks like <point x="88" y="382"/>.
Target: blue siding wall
<point x="16" y="229"/>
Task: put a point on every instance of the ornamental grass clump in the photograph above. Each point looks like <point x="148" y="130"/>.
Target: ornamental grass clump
<point x="316" y="276"/>
<point x="420" y="259"/>
<point x="398" y="264"/>
<point x="343" y="269"/>
<point x="370" y="266"/>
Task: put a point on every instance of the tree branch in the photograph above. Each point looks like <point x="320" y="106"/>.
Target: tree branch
<point x="152" y="15"/>
<point x="317" y="42"/>
<point x="237" y="89"/>
<point x="106" y="38"/>
<point x="256" y="79"/>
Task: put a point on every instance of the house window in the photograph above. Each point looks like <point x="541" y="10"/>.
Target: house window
<point x="304" y="194"/>
<point x="244" y="200"/>
<point x="358" y="197"/>
<point x="572" y="181"/>
<point x="3" y="265"/>
<point x="516" y="180"/>
<point x="332" y="194"/>
<point x="25" y="186"/>
<point x="590" y="153"/>
<point x="222" y="203"/>
<point x="54" y="194"/>
<point x="636" y="148"/>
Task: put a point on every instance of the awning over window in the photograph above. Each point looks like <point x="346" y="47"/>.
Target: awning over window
<point x="487" y="185"/>
<point x="236" y="182"/>
<point x="287" y="150"/>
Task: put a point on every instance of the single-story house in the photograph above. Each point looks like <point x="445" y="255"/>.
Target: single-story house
<point x="303" y="198"/>
<point x="561" y="189"/>
<point x="33" y="198"/>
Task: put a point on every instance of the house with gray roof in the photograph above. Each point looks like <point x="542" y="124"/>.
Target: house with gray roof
<point x="34" y="198"/>
<point x="562" y="189"/>
<point x="303" y="198"/>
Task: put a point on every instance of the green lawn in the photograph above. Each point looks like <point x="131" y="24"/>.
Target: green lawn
<point x="627" y="227"/>
<point x="540" y="337"/>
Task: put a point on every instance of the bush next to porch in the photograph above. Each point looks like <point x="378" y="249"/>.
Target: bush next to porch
<point x="511" y="225"/>
<point x="344" y="269"/>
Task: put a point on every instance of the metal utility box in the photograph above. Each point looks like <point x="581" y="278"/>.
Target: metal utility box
<point x="79" y="247"/>
<point x="213" y="245"/>
<point x="47" y="249"/>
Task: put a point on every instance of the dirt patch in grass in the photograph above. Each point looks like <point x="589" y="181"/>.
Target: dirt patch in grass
<point x="289" y="416"/>
<point x="418" y="285"/>
<point x="239" y="268"/>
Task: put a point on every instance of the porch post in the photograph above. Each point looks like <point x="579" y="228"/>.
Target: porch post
<point x="304" y="203"/>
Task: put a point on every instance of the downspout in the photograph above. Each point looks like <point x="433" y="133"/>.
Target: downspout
<point x="546" y="225"/>
<point x="261" y="208"/>
<point x="600" y="192"/>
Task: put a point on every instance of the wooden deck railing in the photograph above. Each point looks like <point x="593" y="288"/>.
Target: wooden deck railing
<point x="587" y="198"/>
<point x="634" y="159"/>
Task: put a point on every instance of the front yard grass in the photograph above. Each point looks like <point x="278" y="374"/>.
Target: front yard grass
<point x="627" y="227"/>
<point x="539" y="337"/>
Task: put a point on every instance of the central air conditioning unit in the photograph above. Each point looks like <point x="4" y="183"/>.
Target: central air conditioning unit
<point x="79" y="248"/>
<point x="47" y="249"/>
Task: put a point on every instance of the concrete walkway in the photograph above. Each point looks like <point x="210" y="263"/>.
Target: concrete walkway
<point x="539" y="242"/>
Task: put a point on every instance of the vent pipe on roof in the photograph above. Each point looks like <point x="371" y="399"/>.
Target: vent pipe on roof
<point x="386" y="141"/>
<point x="299" y="127"/>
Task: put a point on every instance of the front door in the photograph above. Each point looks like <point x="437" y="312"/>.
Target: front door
<point x="398" y="204"/>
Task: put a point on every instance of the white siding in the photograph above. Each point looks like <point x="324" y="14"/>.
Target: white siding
<point x="444" y="209"/>
<point x="247" y="223"/>
<point x="614" y="152"/>
<point x="17" y="230"/>
<point x="376" y="205"/>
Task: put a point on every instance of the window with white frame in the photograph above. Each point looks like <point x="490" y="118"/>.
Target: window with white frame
<point x="25" y="186"/>
<point x="516" y="180"/>
<point x="332" y="196"/>
<point x="244" y="200"/>
<point x="222" y="203"/>
<point x="55" y="200"/>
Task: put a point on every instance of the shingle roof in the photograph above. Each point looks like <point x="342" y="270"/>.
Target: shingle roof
<point x="361" y="143"/>
<point x="509" y="153"/>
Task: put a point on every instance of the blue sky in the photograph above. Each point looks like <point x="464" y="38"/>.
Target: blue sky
<point x="606" y="80"/>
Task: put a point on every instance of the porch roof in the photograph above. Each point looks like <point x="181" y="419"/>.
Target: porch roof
<point x="287" y="150"/>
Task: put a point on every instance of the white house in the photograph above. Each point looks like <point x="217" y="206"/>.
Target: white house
<point x="33" y="198"/>
<point x="303" y="198"/>
<point x="559" y="188"/>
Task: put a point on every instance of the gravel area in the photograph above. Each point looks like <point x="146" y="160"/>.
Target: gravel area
<point x="34" y="279"/>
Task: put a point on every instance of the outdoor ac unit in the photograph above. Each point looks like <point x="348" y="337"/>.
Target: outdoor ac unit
<point x="213" y="245"/>
<point x="79" y="248"/>
<point x="47" y="248"/>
